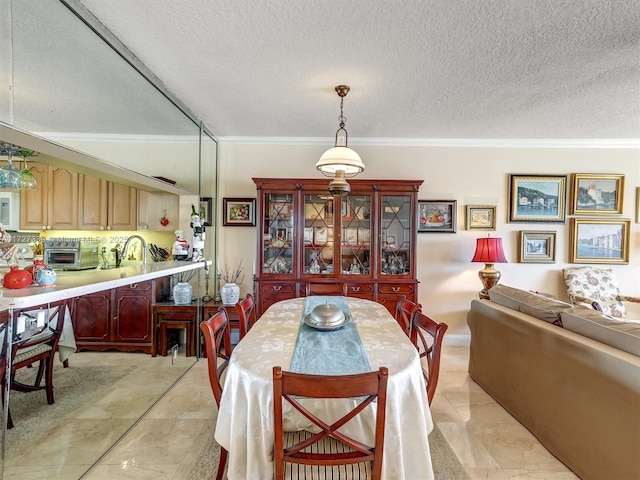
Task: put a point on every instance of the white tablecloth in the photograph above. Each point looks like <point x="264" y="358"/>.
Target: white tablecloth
<point x="245" y="419"/>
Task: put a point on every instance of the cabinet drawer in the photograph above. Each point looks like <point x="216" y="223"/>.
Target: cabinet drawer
<point x="277" y="288"/>
<point x="136" y="287"/>
<point x="366" y="291"/>
<point x="396" y="288"/>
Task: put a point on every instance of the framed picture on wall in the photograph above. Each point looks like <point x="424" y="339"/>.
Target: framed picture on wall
<point x="437" y="216"/>
<point x="599" y="240"/>
<point x="537" y="198"/>
<point x="537" y="247"/>
<point x="597" y="194"/>
<point x="206" y="211"/>
<point x="481" y="217"/>
<point x="239" y="212"/>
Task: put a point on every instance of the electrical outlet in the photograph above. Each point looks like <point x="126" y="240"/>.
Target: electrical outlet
<point x="21" y="324"/>
<point x="40" y="317"/>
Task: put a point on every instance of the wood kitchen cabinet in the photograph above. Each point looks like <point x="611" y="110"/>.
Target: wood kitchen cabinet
<point x="53" y="205"/>
<point x="152" y="207"/>
<point x="106" y="205"/>
<point x="366" y="239"/>
<point x="119" y="319"/>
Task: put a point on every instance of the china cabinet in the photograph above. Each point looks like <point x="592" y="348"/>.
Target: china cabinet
<point x="366" y="239"/>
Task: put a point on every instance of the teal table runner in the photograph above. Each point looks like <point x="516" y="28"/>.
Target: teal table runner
<point x="328" y="352"/>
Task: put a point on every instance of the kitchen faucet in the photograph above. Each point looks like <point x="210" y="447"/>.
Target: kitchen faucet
<point x="144" y="248"/>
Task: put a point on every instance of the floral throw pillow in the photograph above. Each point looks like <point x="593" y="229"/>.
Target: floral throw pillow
<point x="595" y="284"/>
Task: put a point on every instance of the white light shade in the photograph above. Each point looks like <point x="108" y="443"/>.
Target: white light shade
<point x="340" y="158"/>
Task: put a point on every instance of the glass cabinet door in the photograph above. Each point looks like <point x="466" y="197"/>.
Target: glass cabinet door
<point x="395" y="229"/>
<point x="356" y="234"/>
<point x="277" y="240"/>
<point x="318" y="234"/>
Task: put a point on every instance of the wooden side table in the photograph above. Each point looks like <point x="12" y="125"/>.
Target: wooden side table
<point x="211" y="308"/>
<point x="168" y="315"/>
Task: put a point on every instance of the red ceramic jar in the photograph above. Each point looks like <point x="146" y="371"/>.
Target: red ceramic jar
<point x="17" y="278"/>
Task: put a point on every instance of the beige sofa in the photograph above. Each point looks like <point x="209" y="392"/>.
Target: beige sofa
<point x="579" y="396"/>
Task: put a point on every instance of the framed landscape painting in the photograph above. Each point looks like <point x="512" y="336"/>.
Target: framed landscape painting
<point x="537" y="198"/>
<point x="598" y="194"/>
<point x="437" y="216"/>
<point x="537" y="247"/>
<point x="599" y="241"/>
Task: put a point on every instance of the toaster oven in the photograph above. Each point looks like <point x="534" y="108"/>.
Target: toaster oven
<point x="71" y="253"/>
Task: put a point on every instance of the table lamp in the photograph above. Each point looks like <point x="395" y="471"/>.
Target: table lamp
<point x="489" y="251"/>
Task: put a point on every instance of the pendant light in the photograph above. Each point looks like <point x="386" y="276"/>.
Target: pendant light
<point x="340" y="161"/>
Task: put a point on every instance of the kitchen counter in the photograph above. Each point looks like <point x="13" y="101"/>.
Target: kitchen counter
<point x="77" y="283"/>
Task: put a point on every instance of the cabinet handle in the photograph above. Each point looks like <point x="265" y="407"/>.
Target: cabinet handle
<point x="395" y="289"/>
<point x="133" y="285"/>
<point x="277" y="287"/>
<point x="115" y="318"/>
<point x="355" y="289"/>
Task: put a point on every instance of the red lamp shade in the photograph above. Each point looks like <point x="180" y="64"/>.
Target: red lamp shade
<point x="489" y="250"/>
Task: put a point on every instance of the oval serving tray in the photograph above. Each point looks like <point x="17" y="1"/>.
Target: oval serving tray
<point x="319" y="326"/>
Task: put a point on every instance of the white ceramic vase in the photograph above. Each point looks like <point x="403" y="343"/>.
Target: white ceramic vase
<point x="230" y="293"/>
<point x="182" y="293"/>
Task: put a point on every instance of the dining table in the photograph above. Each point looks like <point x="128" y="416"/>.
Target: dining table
<point x="283" y="336"/>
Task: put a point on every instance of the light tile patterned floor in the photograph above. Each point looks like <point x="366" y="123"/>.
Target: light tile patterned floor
<point x="489" y="442"/>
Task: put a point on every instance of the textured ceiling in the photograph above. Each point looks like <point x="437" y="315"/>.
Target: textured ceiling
<point x="421" y="69"/>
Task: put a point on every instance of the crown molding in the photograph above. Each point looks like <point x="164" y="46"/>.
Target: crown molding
<point x="388" y="142"/>
<point x="441" y="142"/>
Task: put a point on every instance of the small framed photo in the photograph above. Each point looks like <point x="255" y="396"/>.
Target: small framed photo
<point x="537" y="198"/>
<point x="239" y="212"/>
<point x="599" y="241"/>
<point x="280" y="210"/>
<point x="537" y="247"/>
<point x="320" y="236"/>
<point x="308" y="235"/>
<point x="206" y="211"/>
<point x="481" y="217"/>
<point x="437" y="216"/>
<point x="597" y="194"/>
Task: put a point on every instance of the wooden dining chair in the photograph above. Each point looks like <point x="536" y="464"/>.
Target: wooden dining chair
<point x="213" y="330"/>
<point x="40" y="348"/>
<point x="329" y="448"/>
<point x="405" y="309"/>
<point x="246" y="314"/>
<point x="338" y="289"/>
<point x="426" y="336"/>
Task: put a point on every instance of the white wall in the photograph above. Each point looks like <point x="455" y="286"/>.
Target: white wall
<point x="476" y="176"/>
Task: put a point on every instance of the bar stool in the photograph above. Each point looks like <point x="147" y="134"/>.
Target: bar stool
<point x="168" y="315"/>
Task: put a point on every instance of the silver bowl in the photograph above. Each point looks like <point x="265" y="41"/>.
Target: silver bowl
<point x="327" y="314"/>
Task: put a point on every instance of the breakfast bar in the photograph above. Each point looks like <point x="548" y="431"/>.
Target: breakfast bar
<point x="78" y="283"/>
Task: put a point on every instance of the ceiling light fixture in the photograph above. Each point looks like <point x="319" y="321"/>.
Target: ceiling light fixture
<point x="340" y="161"/>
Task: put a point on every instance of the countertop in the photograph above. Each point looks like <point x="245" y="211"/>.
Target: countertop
<point x="76" y="283"/>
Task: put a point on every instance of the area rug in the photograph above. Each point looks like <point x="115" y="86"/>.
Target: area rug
<point x="445" y="463"/>
<point x="73" y="387"/>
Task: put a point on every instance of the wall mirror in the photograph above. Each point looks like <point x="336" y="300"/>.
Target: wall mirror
<point x="69" y="94"/>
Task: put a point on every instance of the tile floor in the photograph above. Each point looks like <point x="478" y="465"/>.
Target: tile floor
<point x="490" y="443"/>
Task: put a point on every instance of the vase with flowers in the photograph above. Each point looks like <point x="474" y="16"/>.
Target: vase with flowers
<point x="230" y="291"/>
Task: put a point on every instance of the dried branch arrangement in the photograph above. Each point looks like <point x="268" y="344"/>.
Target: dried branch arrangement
<point x="231" y="276"/>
